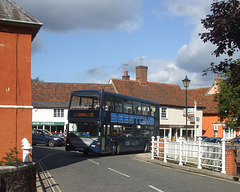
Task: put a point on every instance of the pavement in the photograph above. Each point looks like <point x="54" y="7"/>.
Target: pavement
<point x="45" y="184"/>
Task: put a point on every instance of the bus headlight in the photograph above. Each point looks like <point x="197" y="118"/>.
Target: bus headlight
<point x="93" y="146"/>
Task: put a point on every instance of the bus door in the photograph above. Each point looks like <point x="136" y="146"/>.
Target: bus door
<point x="105" y="137"/>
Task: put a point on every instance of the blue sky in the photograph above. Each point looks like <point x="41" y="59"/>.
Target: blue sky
<point x="88" y="41"/>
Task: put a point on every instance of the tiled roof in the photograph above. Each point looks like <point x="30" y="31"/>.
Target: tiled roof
<point x="43" y="104"/>
<point x="200" y="96"/>
<point x="12" y="15"/>
<point x="60" y="92"/>
<point x="165" y="94"/>
<point x="10" y="11"/>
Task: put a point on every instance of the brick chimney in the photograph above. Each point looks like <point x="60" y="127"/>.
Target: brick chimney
<point x="141" y="74"/>
<point x="126" y="76"/>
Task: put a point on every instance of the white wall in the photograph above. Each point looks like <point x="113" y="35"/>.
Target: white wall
<point x="47" y="115"/>
<point x="176" y="118"/>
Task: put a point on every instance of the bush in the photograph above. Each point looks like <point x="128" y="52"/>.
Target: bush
<point x="11" y="157"/>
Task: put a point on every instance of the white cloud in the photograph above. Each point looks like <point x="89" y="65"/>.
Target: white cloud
<point x="72" y="15"/>
<point x="192" y="9"/>
<point x="166" y="71"/>
<point x="192" y="58"/>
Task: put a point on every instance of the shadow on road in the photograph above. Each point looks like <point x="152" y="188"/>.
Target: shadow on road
<point x="56" y="157"/>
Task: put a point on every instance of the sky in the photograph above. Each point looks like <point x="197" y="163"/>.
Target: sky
<point x="89" y="41"/>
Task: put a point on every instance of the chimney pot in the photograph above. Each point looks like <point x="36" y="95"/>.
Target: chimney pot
<point x="126" y="76"/>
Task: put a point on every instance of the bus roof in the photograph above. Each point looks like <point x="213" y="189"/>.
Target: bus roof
<point x="116" y="95"/>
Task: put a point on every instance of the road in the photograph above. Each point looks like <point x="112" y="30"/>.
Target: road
<point x="71" y="171"/>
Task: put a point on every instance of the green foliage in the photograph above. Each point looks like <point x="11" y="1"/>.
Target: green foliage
<point x="11" y="157"/>
<point x="37" y="80"/>
<point x="223" y="27"/>
<point x="228" y="100"/>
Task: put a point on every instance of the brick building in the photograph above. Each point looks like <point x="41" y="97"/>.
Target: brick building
<point x="17" y="30"/>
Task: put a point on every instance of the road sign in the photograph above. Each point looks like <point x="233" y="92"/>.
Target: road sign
<point x="190" y="112"/>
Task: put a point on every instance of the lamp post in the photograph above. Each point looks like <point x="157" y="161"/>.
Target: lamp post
<point x="186" y="83"/>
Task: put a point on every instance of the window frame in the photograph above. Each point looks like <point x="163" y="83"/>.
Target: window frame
<point x="166" y="113"/>
<point x="58" y="113"/>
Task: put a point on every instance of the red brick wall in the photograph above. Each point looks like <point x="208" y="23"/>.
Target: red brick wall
<point x="231" y="164"/>
<point x="15" y="89"/>
<point x="141" y="74"/>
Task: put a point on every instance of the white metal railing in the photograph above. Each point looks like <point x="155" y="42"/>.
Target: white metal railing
<point x="201" y="154"/>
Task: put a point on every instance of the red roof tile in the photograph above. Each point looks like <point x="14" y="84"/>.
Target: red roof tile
<point x="200" y="96"/>
<point x="60" y="92"/>
<point x="165" y="94"/>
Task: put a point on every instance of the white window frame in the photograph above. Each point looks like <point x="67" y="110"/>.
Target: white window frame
<point x="231" y="133"/>
<point x="166" y="112"/>
<point x="58" y="113"/>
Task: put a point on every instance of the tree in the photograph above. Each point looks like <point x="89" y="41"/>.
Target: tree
<point x="224" y="29"/>
<point x="228" y="101"/>
<point x="37" y="80"/>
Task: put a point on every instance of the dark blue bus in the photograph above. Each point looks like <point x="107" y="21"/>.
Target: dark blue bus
<point x="106" y="122"/>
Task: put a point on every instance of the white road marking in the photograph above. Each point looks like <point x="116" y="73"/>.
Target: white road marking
<point x="156" y="189"/>
<point x="93" y="162"/>
<point x="118" y="172"/>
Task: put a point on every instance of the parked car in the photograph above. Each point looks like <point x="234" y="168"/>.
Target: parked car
<point x="203" y="137"/>
<point x="61" y="135"/>
<point x="42" y="136"/>
<point x="235" y="140"/>
<point x="213" y="140"/>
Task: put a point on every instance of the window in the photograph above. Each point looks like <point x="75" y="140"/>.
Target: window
<point x="153" y="111"/>
<point x="117" y="131"/>
<point x="145" y="109"/>
<point x="108" y="103"/>
<point x="58" y="113"/>
<point x="84" y="102"/>
<point x="137" y="109"/>
<point x="117" y="105"/>
<point x="127" y="106"/>
<point x="164" y="112"/>
<point x="229" y="133"/>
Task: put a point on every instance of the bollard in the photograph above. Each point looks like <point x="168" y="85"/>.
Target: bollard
<point x="152" y="147"/>
<point x="26" y="150"/>
<point x="165" y="150"/>
<point x="223" y="156"/>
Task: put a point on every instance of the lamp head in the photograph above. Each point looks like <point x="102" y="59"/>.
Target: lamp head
<point x="186" y="82"/>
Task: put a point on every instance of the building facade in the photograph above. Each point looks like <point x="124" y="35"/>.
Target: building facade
<point x="50" y="101"/>
<point x="212" y="127"/>
<point x="17" y="30"/>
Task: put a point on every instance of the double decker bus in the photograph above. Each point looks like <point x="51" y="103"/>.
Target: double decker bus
<point x="106" y="122"/>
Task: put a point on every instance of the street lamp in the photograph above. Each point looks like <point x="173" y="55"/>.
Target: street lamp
<point x="186" y="83"/>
